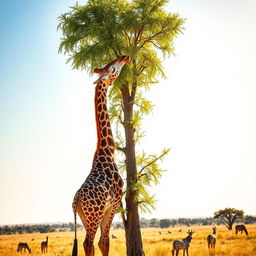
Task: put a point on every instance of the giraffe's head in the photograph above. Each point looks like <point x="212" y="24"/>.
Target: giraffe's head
<point x="111" y="71"/>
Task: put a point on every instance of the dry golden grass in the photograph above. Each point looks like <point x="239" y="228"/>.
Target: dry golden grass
<point x="155" y="244"/>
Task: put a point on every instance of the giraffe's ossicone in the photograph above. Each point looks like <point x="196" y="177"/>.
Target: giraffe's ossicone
<point x="99" y="196"/>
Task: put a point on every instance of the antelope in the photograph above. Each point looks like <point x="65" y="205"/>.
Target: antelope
<point x="241" y="228"/>
<point x="24" y="246"/>
<point x="211" y="239"/>
<point x="44" y="245"/>
<point x="169" y="232"/>
<point x="114" y="237"/>
<point x="182" y="244"/>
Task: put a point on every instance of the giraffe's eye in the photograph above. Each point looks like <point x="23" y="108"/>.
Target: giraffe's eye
<point x="114" y="69"/>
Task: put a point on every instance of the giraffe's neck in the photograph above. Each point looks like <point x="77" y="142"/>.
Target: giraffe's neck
<point x="105" y="141"/>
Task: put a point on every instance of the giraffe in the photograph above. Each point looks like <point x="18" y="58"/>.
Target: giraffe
<point x="99" y="196"/>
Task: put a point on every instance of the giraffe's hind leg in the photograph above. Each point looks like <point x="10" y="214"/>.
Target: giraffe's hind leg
<point x="91" y="225"/>
<point x="88" y="246"/>
<point x="105" y="227"/>
<point x="89" y="239"/>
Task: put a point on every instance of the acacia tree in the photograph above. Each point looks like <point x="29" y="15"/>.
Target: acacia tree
<point x="229" y="216"/>
<point x="97" y="33"/>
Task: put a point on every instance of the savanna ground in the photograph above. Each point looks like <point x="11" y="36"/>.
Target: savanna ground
<point x="155" y="244"/>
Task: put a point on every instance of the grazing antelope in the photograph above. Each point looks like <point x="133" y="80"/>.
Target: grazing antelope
<point x="211" y="239"/>
<point x="182" y="244"/>
<point x="44" y="245"/>
<point x="160" y="232"/>
<point x="241" y="228"/>
<point x="24" y="246"/>
<point x="114" y="237"/>
<point x="169" y="232"/>
<point x="180" y="230"/>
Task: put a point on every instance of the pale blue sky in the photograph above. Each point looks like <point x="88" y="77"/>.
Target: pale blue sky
<point x="205" y="112"/>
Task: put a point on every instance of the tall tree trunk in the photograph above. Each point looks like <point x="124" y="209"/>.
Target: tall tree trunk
<point x="132" y="230"/>
<point x="132" y="221"/>
<point x="230" y="222"/>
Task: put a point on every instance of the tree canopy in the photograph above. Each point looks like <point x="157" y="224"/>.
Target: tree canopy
<point x="101" y="31"/>
<point x="229" y="216"/>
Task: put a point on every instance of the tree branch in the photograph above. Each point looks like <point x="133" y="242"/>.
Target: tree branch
<point x="92" y="47"/>
<point x="151" y="37"/>
<point x="158" y="33"/>
<point x="123" y="215"/>
<point x="153" y="161"/>
<point x="133" y="93"/>
<point x="119" y="118"/>
<point x="127" y="36"/>
<point x="141" y="175"/>
<point x="138" y="36"/>
<point x="121" y="149"/>
<point x="142" y="69"/>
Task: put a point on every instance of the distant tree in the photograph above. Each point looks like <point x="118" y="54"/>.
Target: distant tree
<point x="173" y="222"/>
<point x="248" y="219"/>
<point x="29" y="229"/>
<point x="144" y="223"/>
<point x="154" y="223"/>
<point x="185" y="221"/>
<point x="229" y="216"/>
<point x="205" y="223"/>
<point x="165" y="223"/>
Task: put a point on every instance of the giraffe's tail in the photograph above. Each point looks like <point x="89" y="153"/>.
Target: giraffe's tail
<point x="74" y="251"/>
